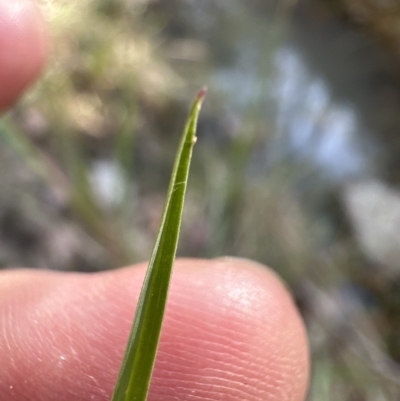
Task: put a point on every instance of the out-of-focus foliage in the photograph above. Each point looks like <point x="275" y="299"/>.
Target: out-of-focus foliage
<point x="79" y="125"/>
<point x="379" y="17"/>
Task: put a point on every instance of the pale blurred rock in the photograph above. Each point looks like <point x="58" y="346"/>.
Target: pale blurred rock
<point x="374" y="212"/>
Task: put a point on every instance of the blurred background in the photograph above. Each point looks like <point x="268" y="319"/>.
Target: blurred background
<point x="297" y="163"/>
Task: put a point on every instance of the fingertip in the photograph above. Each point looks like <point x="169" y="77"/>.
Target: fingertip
<point x="241" y="326"/>
<point x="23" y="47"/>
<point x="231" y="332"/>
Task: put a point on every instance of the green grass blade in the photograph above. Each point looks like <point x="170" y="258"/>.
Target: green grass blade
<point x="135" y="375"/>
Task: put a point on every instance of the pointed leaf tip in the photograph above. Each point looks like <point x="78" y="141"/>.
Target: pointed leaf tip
<point x="202" y="93"/>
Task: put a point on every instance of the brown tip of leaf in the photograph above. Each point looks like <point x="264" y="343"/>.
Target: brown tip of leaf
<point x="201" y="93"/>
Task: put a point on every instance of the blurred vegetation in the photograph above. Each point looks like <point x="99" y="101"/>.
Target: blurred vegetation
<point x="102" y="72"/>
<point x="380" y="18"/>
<point x="87" y="153"/>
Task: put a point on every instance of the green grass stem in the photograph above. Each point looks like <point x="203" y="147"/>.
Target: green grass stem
<point x="137" y="366"/>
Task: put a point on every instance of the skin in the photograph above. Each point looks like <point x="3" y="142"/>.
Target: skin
<point x="231" y="332"/>
<point x="23" y="47"/>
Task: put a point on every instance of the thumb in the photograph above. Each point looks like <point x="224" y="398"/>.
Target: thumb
<point x="231" y="333"/>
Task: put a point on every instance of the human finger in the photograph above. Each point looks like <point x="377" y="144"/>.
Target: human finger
<point x="23" y="47"/>
<point x="231" y="332"/>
